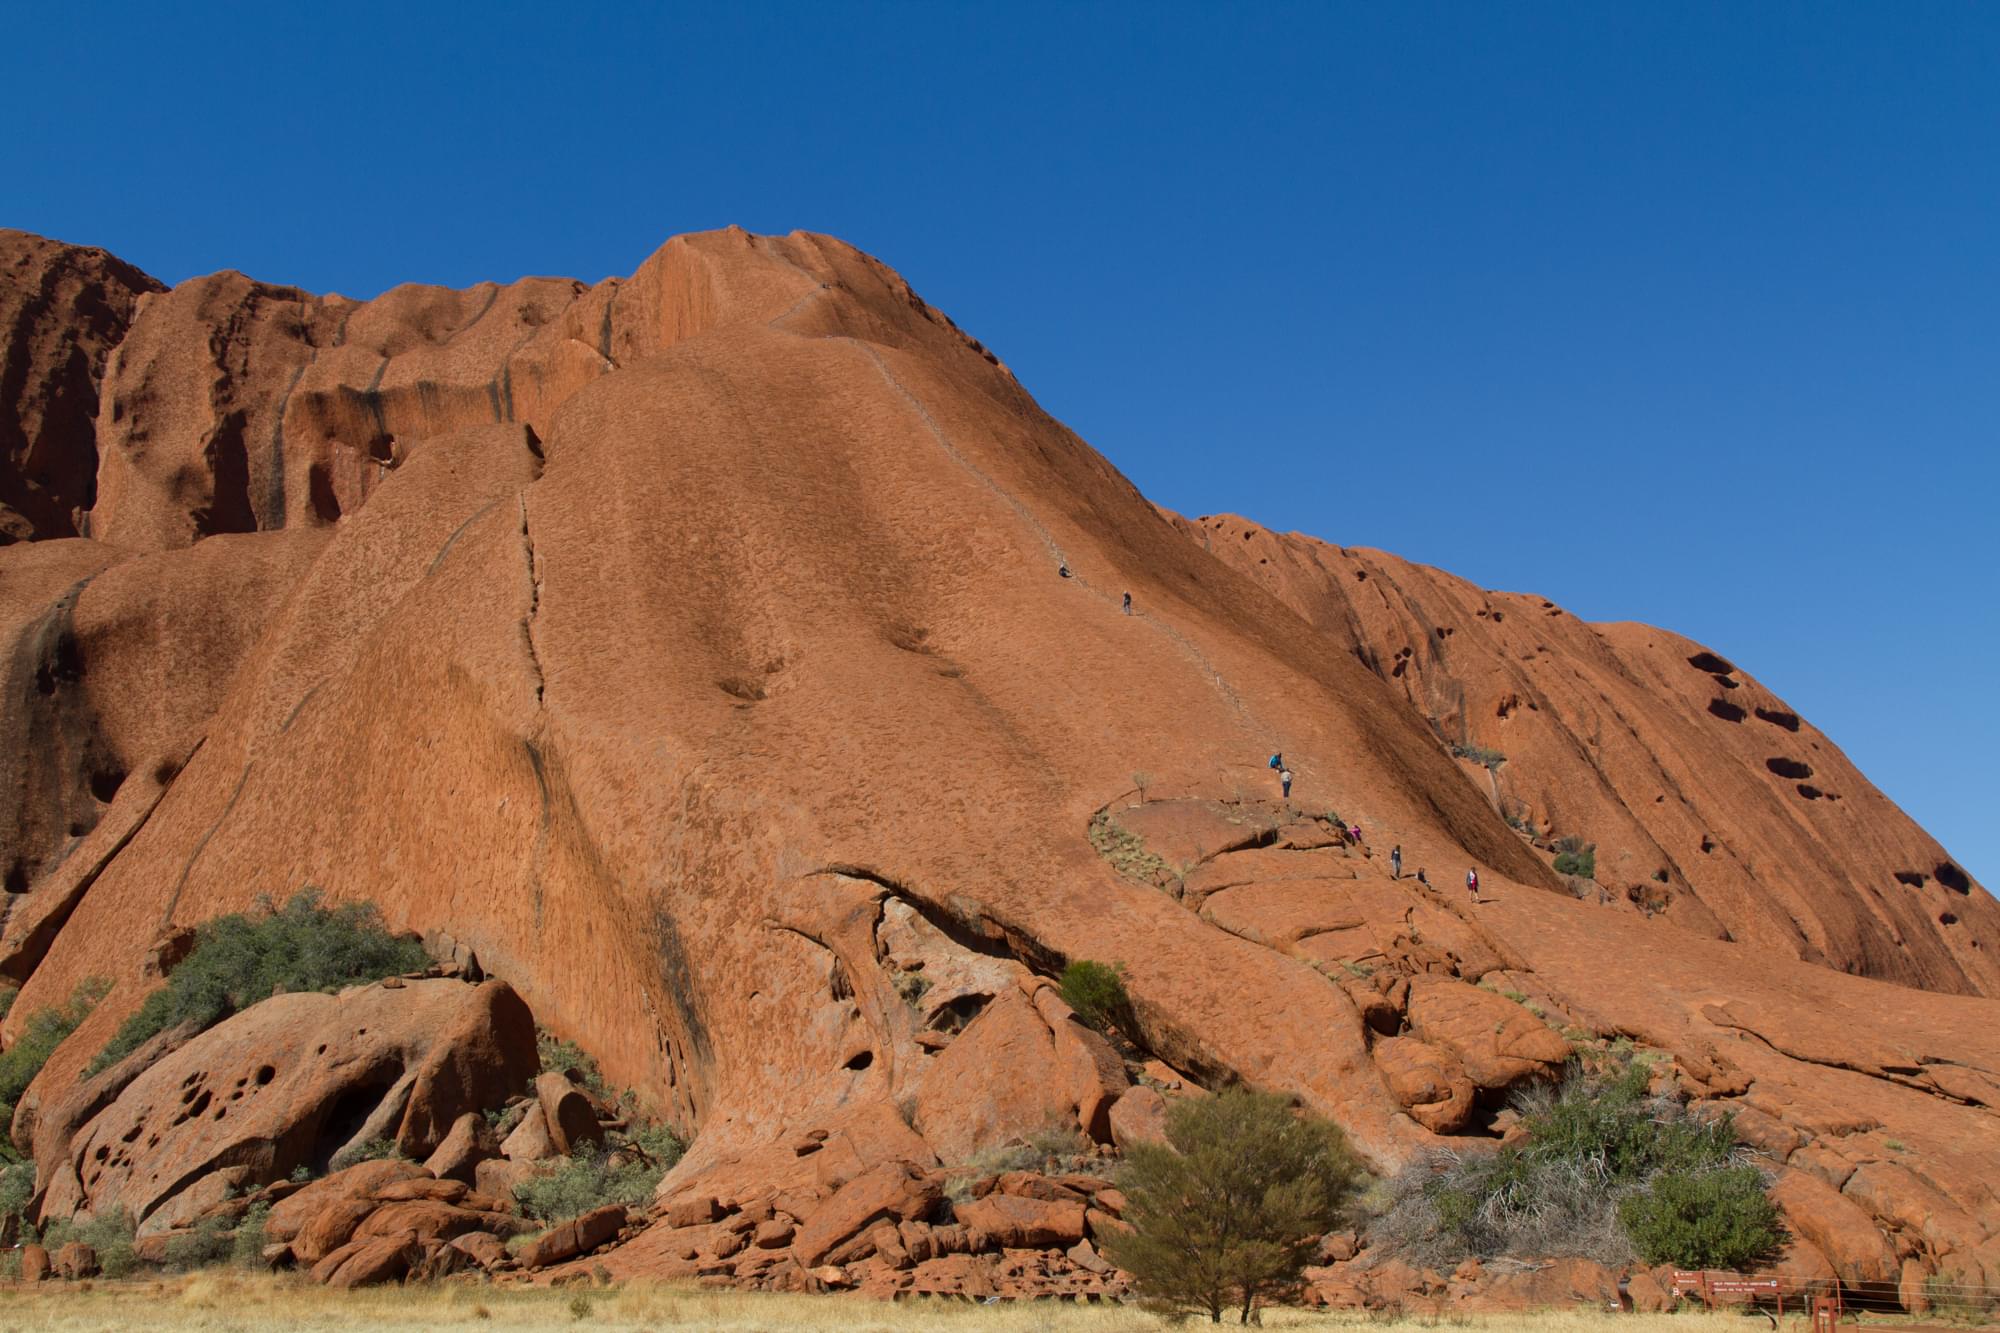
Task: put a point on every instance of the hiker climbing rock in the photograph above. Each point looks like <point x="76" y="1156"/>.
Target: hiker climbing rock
<point x="1472" y="884"/>
<point x="1396" y="861"/>
<point x="1422" y="878"/>
<point x="1128" y="603"/>
<point x="1285" y="781"/>
<point x="1277" y="761"/>
<point x="1354" y="834"/>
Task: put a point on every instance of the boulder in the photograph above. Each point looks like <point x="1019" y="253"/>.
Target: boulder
<point x="1138" y="1116"/>
<point x="531" y="1140"/>
<point x="497" y="1177"/>
<point x="1094" y="1074"/>
<point x="692" y="1211"/>
<point x="469" y="1143"/>
<point x="579" y="1235"/>
<point x="1647" y="1295"/>
<point x="1837" y="1227"/>
<point x="993" y="1083"/>
<point x="74" y="1261"/>
<point x="1010" y="1221"/>
<point x="34" y="1263"/>
<point x="290" y="1215"/>
<point x="429" y="1220"/>
<point x="370" y="1262"/>
<point x="568" y="1116"/>
<point x="1429" y="1081"/>
<point x="1497" y="1042"/>
<point x="892" y="1191"/>
<point x="484" y="1248"/>
<point x="284" y="1084"/>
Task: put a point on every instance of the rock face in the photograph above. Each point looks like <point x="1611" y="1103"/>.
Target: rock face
<point x="694" y="652"/>
<point x="291" y="1082"/>
<point x="1710" y="800"/>
<point x="63" y="308"/>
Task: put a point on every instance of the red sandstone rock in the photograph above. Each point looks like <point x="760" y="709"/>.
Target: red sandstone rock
<point x="1836" y="1226"/>
<point x="483" y="1248"/>
<point x="34" y="1263"/>
<point x="893" y="1191"/>
<point x="566" y="1113"/>
<point x="579" y="1235"/>
<point x="1013" y="1222"/>
<point x="74" y="1261"/>
<point x="1139" y="1116"/>
<point x="290" y="1215"/>
<point x="467" y="1145"/>
<point x="364" y="1263"/>
<point x="1429" y="1080"/>
<point x="425" y="548"/>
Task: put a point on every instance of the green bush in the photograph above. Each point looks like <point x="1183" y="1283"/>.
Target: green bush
<point x="1703" y="1219"/>
<point x="564" y="1057"/>
<point x="17" y="1186"/>
<point x="1593" y="1148"/>
<point x="252" y="1234"/>
<point x="1231" y="1212"/>
<point x="109" y="1234"/>
<point x="1577" y="858"/>
<point x="1096" y="991"/>
<point x="209" y="1243"/>
<point x="240" y="959"/>
<point x="1479" y="754"/>
<point x="590" y="1177"/>
<point x="368" y="1150"/>
<point x="45" y="1030"/>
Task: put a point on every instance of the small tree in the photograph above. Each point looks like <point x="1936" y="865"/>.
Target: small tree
<point x="1225" y="1214"/>
<point x="1142" y="780"/>
<point x="1097" y="992"/>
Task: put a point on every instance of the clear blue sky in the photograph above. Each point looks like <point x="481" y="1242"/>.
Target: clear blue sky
<point x="1679" y="313"/>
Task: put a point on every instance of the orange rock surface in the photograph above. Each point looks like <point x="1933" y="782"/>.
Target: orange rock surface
<point x="730" y="659"/>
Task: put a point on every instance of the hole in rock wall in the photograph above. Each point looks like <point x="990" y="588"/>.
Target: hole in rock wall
<point x="319" y="486"/>
<point x="861" y="1060"/>
<point x="1788" y="768"/>
<point x="1947" y="918"/>
<point x="1709" y="662"/>
<point x="104" y="783"/>
<point x="1778" y="717"/>
<point x="1726" y="683"/>
<point x="349" y="1112"/>
<point x="1911" y="878"/>
<point x="1726" y="710"/>
<point x="1810" y="792"/>
<point x="1949" y="875"/>
<point x="17" y="876"/>
<point x="959" y="1013"/>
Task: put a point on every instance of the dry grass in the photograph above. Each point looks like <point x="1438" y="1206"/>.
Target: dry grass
<point x="226" y="1304"/>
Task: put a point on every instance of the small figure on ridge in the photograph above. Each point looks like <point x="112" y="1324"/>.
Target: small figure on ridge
<point x="1472" y="884"/>
<point x="1396" y="861"/>
<point x="1285" y="781"/>
<point x="1128" y="603"/>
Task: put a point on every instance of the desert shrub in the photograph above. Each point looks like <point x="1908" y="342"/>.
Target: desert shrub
<point x="208" y="1244"/>
<point x="1097" y="992"/>
<point x="17" y="1187"/>
<point x="1592" y="1146"/>
<point x="45" y="1030"/>
<point x="590" y="1177"/>
<point x="1127" y="851"/>
<point x="368" y="1150"/>
<point x="1955" y="1301"/>
<point x="567" y="1058"/>
<point x="1703" y="1219"/>
<point x="1574" y="856"/>
<point x="1228" y="1215"/>
<point x="1055" y="1150"/>
<point x="1479" y="754"/>
<point x="241" y="958"/>
<point x="252" y="1234"/>
<point x="109" y="1234"/>
<point x="8" y="994"/>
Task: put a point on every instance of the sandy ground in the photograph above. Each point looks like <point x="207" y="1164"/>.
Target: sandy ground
<point x="216" y="1304"/>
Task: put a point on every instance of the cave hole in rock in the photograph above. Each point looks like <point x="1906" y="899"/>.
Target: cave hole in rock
<point x="77" y="828"/>
<point x="1779" y="717"/>
<point x="319" y="487"/>
<point x="1788" y="768"/>
<point x="1361" y="574"/>
<point x="1709" y="662"/>
<point x="1726" y="683"/>
<point x="105" y="782"/>
<point x="1949" y="875"/>
<point x="1707" y="844"/>
<point x="1914" y="879"/>
<point x="265" y="1074"/>
<point x="1810" y="792"/>
<point x="348" y="1113"/>
<point x="1947" y="918"/>
<point x="166" y="771"/>
<point x="861" y="1060"/>
<point x="739" y="688"/>
<point x="63" y="667"/>
<point x="1726" y="710"/>
<point x="956" y="1015"/>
